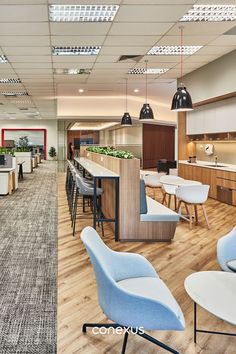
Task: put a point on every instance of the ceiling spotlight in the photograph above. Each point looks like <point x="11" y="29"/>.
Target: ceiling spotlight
<point x="136" y="90"/>
<point x="81" y="90"/>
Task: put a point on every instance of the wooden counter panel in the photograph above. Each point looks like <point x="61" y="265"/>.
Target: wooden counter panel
<point x="226" y="175"/>
<point x="226" y="183"/>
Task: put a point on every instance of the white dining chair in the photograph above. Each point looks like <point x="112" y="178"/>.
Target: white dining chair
<point x="192" y="196"/>
<point x="169" y="185"/>
<point x="152" y="181"/>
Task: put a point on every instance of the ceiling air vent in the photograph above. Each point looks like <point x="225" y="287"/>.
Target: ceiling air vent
<point x="135" y="58"/>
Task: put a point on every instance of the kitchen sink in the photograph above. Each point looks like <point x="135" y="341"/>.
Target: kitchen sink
<point x="213" y="165"/>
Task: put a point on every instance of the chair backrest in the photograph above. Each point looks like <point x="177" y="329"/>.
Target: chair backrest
<point x="153" y="179"/>
<point x="226" y="249"/>
<point x="101" y="259"/>
<point x="83" y="188"/>
<point x="170" y="178"/>
<point x="143" y="198"/>
<point x="196" y="194"/>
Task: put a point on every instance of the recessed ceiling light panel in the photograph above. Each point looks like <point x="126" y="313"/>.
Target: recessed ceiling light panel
<point x="210" y="13"/>
<point x="76" y="50"/>
<point x="82" y="13"/>
<point x="18" y="93"/>
<point x="10" y="81"/>
<point x="72" y="71"/>
<point x="174" y="50"/>
<point x="3" y="59"/>
<point x="155" y="71"/>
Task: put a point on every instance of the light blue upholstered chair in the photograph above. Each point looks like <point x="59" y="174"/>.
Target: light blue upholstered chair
<point x="130" y="292"/>
<point x="226" y="249"/>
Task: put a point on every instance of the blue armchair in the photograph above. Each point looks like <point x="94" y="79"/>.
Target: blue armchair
<point x="130" y="292"/>
<point x="226" y="249"/>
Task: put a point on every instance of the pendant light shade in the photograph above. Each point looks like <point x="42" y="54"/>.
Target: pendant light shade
<point x="146" y="113"/>
<point x="126" y="120"/>
<point x="182" y="101"/>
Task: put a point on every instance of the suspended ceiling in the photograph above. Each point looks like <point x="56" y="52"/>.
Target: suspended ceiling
<point x="26" y="38"/>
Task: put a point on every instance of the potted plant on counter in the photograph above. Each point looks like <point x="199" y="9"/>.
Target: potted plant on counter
<point x="52" y="153"/>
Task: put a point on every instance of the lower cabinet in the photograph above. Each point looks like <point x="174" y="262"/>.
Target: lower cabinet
<point x="201" y="174"/>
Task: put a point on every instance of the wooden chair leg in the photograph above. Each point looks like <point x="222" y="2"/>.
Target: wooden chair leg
<point x="175" y="202"/>
<point x="196" y="214"/>
<point x="179" y="206"/>
<point x="169" y="200"/>
<point x="164" y="198"/>
<point x="186" y="208"/>
<point x="191" y="217"/>
<point x="205" y="215"/>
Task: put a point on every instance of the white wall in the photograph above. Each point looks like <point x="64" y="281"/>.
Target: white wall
<point x="214" y="79"/>
<point x="49" y="125"/>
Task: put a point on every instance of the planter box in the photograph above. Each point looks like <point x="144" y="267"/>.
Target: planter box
<point x="27" y="157"/>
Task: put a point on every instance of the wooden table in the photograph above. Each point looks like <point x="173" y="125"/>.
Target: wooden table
<point x="98" y="173"/>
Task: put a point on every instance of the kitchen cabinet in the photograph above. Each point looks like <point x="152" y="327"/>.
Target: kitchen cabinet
<point x="210" y="176"/>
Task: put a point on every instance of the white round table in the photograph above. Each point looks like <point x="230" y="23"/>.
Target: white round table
<point x="177" y="182"/>
<point x="215" y="292"/>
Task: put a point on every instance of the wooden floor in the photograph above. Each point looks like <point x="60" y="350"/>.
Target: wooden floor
<point x="190" y="251"/>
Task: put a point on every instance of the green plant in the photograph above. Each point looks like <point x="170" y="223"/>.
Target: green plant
<point x="111" y="151"/>
<point x="23" y="149"/>
<point x="52" y="152"/>
<point x="6" y="151"/>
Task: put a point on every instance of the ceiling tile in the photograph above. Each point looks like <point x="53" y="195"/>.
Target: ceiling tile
<point x="188" y="40"/>
<point x="201" y="28"/>
<point x="29" y="58"/>
<point x="77" y="40"/>
<point x="139" y="28"/>
<point x="224" y="40"/>
<point x="151" y="13"/>
<point x="23" y="13"/>
<point x="33" y="65"/>
<point x="22" y="29"/>
<point x="25" y="41"/>
<point x="26" y="51"/>
<point x="68" y="60"/>
<point x="85" y="28"/>
<point x="131" y="40"/>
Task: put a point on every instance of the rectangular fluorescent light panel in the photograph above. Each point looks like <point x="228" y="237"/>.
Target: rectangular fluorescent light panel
<point x="10" y="81"/>
<point x="154" y="71"/>
<point x="72" y="71"/>
<point x="174" y="50"/>
<point x="210" y="13"/>
<point x="76" y="50"/>
<point x="82" y="13"/>
<point x="18" y="93"/>
<point x="3" y="59"/>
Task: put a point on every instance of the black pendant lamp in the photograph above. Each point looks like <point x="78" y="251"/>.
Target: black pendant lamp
<point x="126" y="120"/>
<point x="181" y="101"/>
<point x="146" y="112"/>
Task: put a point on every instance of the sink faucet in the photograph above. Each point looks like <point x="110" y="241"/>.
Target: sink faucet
<point x="215" y="160"/>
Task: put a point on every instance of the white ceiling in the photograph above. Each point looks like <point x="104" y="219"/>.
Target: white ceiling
<point x="26" y="37"/>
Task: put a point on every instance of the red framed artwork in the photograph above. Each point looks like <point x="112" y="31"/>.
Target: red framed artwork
<point x="40" y="139"/>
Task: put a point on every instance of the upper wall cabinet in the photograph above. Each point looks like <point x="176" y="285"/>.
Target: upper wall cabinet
<point x="219" y="117"/>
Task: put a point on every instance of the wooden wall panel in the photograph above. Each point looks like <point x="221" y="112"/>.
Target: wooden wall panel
<point x="158" y="143"/>
<point x="77" y="134"/>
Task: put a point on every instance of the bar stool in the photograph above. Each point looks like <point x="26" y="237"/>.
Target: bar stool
<point x="169" y="189"/>
<point x="86" y="191"/>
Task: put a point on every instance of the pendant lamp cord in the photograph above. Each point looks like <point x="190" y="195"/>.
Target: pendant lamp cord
<point x="146" y="78"/>
<point x="126" y="105"/>
<point x="181" y="52"/>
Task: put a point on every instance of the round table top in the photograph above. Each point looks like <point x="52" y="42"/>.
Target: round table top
<point x="232" y="264"/>
<point x="215" y="292"/>
<point x="179" y="182"/>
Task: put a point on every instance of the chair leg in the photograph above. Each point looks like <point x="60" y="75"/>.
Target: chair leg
<point x="191" y="217"/>
<point x="179" y="206"/>
<point x="175" y="202"/>
<point x="125" y="343"/>
<point x="205" y="215"/>
<point x="196" y="214"/>
<point x="164" y="198"/>
<point x="75" y="211"/>
<point x="169" y="201"/>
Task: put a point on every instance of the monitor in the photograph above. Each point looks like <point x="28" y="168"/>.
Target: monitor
<point x="2" y="160"/>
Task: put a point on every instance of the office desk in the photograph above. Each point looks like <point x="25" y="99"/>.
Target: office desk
<point x="98" y="173"/>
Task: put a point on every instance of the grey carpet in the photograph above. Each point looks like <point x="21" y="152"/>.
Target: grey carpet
<point x="28" y="264"/>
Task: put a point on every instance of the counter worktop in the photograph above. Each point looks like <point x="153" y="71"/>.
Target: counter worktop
<point x="206" y="164"/>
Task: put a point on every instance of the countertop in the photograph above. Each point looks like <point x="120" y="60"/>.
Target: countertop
<point x="226" y="166"/>
<point x="8" y="169"/>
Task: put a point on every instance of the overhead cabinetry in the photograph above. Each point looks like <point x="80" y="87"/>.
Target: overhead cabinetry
<point x="213" y="122"/>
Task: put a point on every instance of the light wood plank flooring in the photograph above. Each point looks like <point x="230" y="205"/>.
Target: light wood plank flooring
<point x="191" y="251"/>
